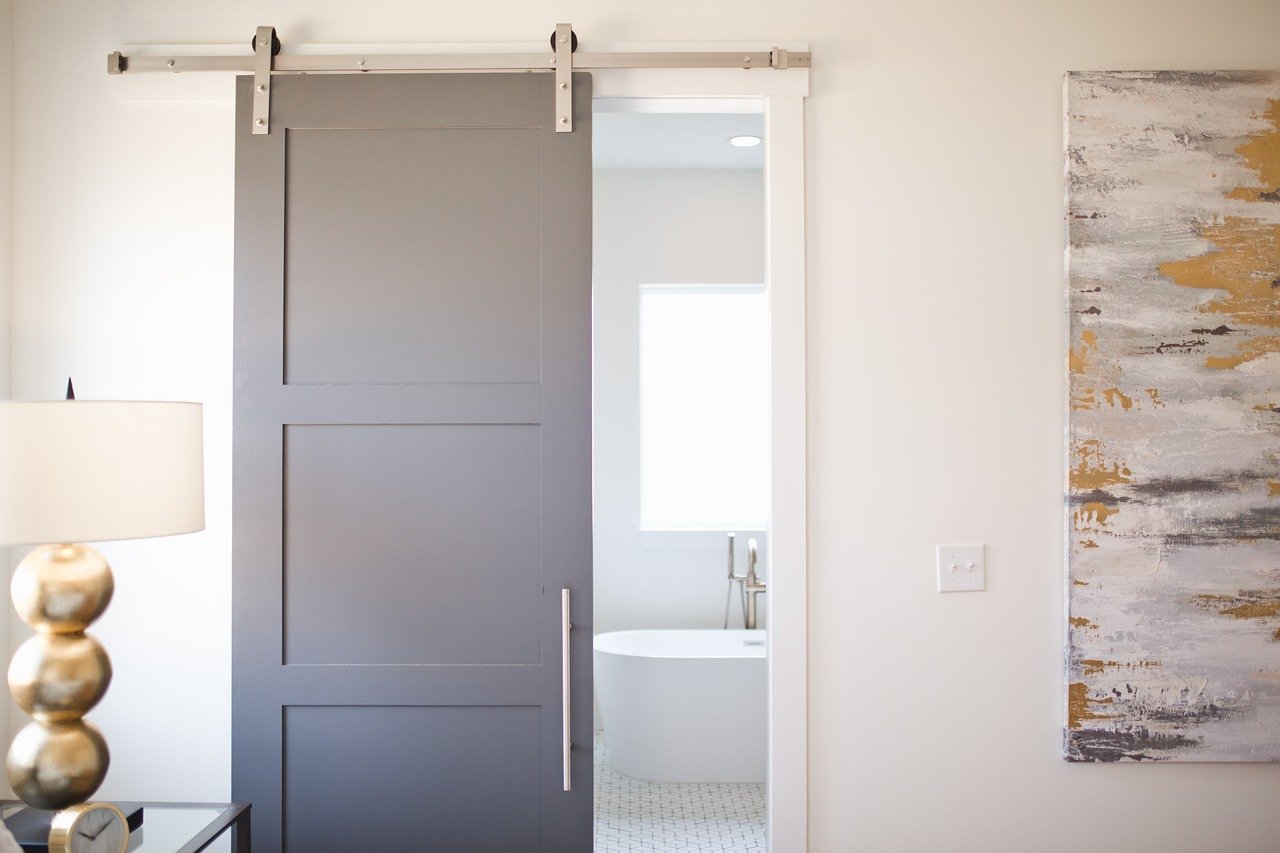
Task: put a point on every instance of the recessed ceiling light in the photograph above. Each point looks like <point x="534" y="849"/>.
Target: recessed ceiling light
<point x="744" y="141"/>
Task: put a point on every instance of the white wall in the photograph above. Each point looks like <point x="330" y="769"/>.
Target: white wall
<point x="7" y="709"/>
<point x="122" y="270"/>
<point x="935" y="379"/>
<point x="6" y="189"/>
<point x="652" y="226"/>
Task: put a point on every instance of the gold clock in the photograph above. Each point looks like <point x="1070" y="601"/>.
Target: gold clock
<point x="89" y="828"/>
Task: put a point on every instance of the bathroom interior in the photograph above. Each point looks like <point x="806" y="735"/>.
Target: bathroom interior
<point x="680" y="474"/>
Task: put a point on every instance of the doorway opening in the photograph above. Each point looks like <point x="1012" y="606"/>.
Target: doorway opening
<point x="681" y="473"/>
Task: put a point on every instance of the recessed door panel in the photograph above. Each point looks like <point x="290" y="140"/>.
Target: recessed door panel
<point x="412" y="544"/>
<point x="412" y="255"/>
<point x="346" y="770"/>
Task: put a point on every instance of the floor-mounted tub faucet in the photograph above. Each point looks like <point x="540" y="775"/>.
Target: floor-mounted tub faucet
<point x="752" y="586"/>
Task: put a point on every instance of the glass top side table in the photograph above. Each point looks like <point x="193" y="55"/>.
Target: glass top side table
<point x="178" y="827"/>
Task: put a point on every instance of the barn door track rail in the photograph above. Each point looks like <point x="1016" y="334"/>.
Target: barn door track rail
<point x="563" y="59"/>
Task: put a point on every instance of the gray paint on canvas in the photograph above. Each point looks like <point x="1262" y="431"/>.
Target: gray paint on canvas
<point x="1173" y="504"/>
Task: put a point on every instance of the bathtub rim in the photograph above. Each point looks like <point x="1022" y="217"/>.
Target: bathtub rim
<point x="755" y="652"/>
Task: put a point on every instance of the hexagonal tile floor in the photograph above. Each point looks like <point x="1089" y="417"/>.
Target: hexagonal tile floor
<point x="634" y="815"/>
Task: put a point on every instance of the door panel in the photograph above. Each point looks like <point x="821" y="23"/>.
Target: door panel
<point x="494" y="806"/>
<point x="457" y="255"/>
<point x="411" y="463"/>
<point x="416" y="539"/>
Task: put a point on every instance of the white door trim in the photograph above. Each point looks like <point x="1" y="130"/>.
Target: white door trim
<point x="788" y="638"/>
<point x="782" y="94"/>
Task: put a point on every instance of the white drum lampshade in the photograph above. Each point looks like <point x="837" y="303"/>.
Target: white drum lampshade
<point x="89" y="470"/>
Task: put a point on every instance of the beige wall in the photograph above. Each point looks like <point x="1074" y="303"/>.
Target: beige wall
<point x="935" y="379"/>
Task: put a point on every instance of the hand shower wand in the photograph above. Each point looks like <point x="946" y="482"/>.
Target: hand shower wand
<point x="743" y="581"/>
<point x="729" y="594"/>
<point x="750" y="586"/>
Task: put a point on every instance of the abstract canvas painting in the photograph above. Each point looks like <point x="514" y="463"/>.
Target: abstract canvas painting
<point x="1173" y="444"/>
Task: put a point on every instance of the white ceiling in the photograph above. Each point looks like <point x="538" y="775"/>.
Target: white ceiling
<point x="651" y="140"/>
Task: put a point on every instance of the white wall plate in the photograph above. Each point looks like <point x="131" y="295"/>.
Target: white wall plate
<point x="962" y="568"/>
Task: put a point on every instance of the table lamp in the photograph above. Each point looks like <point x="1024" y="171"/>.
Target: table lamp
<point x="75" y="471"/>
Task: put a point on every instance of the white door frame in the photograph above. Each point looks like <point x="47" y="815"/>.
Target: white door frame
<point x="782" y="93"/>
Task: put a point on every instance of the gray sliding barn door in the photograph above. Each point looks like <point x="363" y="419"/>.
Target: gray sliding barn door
<point x="412" y="463"/>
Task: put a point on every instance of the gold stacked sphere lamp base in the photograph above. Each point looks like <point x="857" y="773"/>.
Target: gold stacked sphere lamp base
<point x="58" y="675"/>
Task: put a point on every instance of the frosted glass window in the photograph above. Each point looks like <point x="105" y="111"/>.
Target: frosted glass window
<point x="704" y="414"/>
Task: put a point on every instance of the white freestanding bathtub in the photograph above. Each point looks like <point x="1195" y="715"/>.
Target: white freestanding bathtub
<point x="683" y="705"/>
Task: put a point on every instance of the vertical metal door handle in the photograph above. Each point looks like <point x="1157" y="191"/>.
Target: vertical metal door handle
<point x="565" y="627"/>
